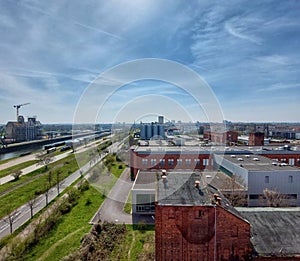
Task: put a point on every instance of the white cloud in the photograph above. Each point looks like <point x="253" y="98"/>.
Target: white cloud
<point x="241" y="32"/>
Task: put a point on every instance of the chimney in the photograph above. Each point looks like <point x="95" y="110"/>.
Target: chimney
<point x="197" y="184"/>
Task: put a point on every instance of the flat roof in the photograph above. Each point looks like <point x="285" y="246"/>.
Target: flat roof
<point x="257" y="162"/>
<point x="205" y="149"/>
<point x="145" y="180"/>
<point x="275" y="231"/>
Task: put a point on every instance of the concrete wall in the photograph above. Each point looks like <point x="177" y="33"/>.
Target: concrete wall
<point x="279" y="181"/>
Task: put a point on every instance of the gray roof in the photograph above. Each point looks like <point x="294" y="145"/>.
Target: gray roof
<point x="179" y="190"/>
<point x="257" y="162"/>
<point x="275" y="231"/>
<point x="204" y="149"/>
<point x="145" y="180"/>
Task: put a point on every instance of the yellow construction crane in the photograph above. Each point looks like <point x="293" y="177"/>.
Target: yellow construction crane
<point x="19" y="106"/>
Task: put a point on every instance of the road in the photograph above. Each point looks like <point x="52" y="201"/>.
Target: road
<point x="34" y="167"/>
<point x="112" y="208"/>
<point x="22" y="214"/>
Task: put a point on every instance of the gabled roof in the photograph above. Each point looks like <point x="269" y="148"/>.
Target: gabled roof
<point x="275" y="231"/>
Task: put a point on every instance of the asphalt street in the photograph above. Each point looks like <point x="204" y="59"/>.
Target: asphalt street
<point x="22" y="214"/>
<point x="112" y="208"/>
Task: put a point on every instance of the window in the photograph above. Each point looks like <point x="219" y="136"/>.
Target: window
<point x="197" y="162"/>
<point x="291" y="161"/>
<point x="199" y="213"/>
<point x="205" y="162"/>
<point x="153" y="162"/>
<point x="179" y="162"/>
<point x="188" y="162"/>
<point x="267" y="179"/>
<point x="144" y="162"/>
<point x="290" y="179"/>
<point x="170" y="162"/>
<point x="162" y="162"/>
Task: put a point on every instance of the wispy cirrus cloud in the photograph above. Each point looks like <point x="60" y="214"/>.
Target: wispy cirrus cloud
<point x="240" y="32"/>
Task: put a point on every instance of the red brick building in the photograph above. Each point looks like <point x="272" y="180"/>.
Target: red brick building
<point x="180" y="158"/>
<point x="256" y="139"/>
<point x="197" y="223"/>
<point x="227" y="137"/>
<point x="195" y="158"/>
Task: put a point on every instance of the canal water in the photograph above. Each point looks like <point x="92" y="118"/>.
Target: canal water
<point x="21" y="152"/>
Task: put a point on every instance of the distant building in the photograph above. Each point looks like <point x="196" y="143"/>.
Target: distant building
<point x="227" y="137"/>
<point x="160" y="119"/>
<point x="18" y="131"/>
<point x="152" y="131"/>
<point x="256" y="139"/>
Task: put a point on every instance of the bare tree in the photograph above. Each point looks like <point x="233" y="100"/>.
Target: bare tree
<point x="31" y="203"/>
<point x="10" y="218"/>
<point x="274" y="198"/>
<point x="58" y="181"/>
<point x="16" y="174"/>
<point x="234" y="190"/>
<point x="44" y="159"/>
<point x="47" y="191"/>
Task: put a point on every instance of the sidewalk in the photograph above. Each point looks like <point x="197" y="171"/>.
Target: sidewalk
<point x="34" y="167"/>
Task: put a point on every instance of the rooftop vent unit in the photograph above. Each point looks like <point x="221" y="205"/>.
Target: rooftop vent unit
<point x="247" y="156"/>
<point x="232" y="156"/>
<point x="255" y="159"/>
<point x="197" y="183"/>
<point x="240" y="159"/>
<point x="283" y="164"/>
<point x="274" y="163"/>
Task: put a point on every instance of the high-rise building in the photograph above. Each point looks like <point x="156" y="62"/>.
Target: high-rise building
<point x="160" y="119"/>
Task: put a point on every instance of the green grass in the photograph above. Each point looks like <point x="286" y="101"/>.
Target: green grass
<point x="138" y="244"/>
<point x="66" y="236"/>
<point x="128" y="204"/>
<point x="22" y="194"/>
<point x="14" y="168"/>
<point x="117" y="169"/>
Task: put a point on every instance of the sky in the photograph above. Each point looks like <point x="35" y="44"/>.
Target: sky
<point x="52" y="53"/>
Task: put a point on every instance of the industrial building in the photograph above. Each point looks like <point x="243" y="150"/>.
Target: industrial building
<point x="259" y="173"/>
<point x="227" y="137"/>
<point x="260" y="168"/>
<point x="18" y="131"/>
<point x="152" y="131"/>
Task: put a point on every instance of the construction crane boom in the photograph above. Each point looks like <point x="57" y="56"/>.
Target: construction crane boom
<point x="18" y="107"/>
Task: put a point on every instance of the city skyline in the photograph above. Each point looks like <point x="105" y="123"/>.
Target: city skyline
<point x="247" y="53"/>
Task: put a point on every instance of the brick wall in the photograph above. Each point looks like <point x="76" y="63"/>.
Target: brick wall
<point x="188" y="233"/>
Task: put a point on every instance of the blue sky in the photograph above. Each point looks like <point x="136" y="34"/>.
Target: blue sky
<point x="247" y="51"/>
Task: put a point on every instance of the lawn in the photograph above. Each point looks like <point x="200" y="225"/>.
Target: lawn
<point x="22" y="194"/>
<point x="137" y="244"/>
<point x="66" y="236"/>
<point x="14" y="168"/>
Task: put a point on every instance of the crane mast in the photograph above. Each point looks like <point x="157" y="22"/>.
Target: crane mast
<point x="18" y="107"/>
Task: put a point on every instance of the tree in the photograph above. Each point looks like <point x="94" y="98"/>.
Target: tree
<point x="16" y="174"/>
<point x="44" y="159"/>
<point x="274" y="198"/>
<point x="234" y="190"/>
<point x="11" y="218"/>
<point x="58" y="181"/>
<point x="47" y="191"/>
<point x="31" y="203"/>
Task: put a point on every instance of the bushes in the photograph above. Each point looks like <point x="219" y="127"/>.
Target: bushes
<point x="83" y="186"/>
<point x="19" y="248"/>
<point x="99" y="243"/>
